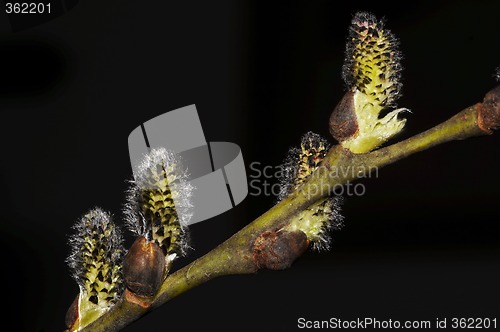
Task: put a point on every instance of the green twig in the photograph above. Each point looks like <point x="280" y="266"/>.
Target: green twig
<point x="237" y="256"/>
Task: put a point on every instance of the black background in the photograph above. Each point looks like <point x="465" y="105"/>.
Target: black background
<point x="422" y="243"/>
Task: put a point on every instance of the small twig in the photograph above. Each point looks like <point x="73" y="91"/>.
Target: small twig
<point x="237" y="255"/>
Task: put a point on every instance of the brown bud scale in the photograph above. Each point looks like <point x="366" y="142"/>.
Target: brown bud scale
<point x="72" y="313"/>
<point x="144" y="267"/>
<point x="489" y="111"/>
<point x="278" y="250"/>
<point x="343" y="120"/>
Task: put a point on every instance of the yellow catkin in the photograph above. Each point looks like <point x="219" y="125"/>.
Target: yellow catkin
<point x="159" y="203"/>
<point x="95" y="261"/>
<point x="372" y="71"/>
<point x="318" y="219"/>
<point x="157" y="206"/>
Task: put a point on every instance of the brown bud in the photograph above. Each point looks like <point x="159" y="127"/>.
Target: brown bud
<point x="144" y="267"/>
<point x="278" y="250"/>
<point x="72" y="313"/>
<point x="343" y="121"/>
<point x="489" y="111"/>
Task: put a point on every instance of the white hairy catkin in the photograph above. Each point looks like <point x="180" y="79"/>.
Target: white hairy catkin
<point x="95" y="262"/>
<point x="159" y="202"/>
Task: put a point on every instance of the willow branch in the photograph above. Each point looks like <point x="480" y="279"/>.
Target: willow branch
<point x="237" y="255"/>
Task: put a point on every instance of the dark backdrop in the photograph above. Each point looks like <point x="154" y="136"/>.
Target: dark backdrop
<point x="422" y="243"/>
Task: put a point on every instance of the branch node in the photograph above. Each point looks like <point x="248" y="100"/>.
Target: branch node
<point x="143" y="302"/>
<point x="278" y="250"/>
<point x="488" y="117"/>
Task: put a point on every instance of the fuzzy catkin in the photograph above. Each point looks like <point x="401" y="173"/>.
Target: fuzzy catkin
<point x="317" y="220"/>
<point x="301" y="162"/>
<point x="373" y="61"/>
<point x="159" y="202"/>
<point x="95" y="262"/>
<point x="372" y="74"/>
